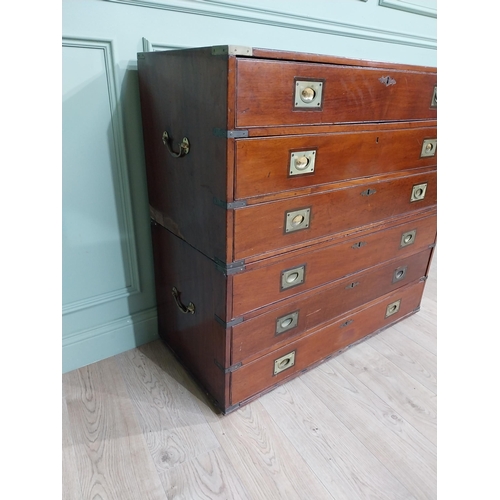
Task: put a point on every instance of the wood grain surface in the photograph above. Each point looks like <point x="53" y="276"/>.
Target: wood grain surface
<point x="361" y="425"/>
<point x="266" y="90"/>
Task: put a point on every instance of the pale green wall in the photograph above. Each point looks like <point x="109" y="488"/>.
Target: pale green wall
<point x="108" y="287"/>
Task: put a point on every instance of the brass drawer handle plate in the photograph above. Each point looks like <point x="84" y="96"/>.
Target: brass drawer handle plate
<point x="308" y="94"/>
<point x="399" y="274"/>
<point x="183" y="146"/>
<point x="393" y="308"/>
<point x="297" y="219"/>
<point x="287" y="322"/>
<point x="293" y="277"/>
<point x="429" y="148"/>
<point x="302" y="162"/>
<point x="408" y="238"/>
<point x="283" y="363"/>
<point x="434" y="100"/>
<point x="418" y="192"/>
<point x="190" y="309"/>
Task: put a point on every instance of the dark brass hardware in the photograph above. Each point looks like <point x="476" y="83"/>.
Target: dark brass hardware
<point x="308" y="94"/>
<point x="292" y="277"/>
<point x="387" y="80"/>
<point x="408" y="238"/>
<point x="352" y="285"/>
<point x="399" y="274"/>
<point x="429" y="147"/>
<point x="346" y="323"/>
<point x="183" y="146"/>
<point x="285" y="362"/>
<point x="287" y="322"/>
<point x="418" y="192"/>
<point x="186" y="310"/>
<point x="393" y="308"/>
<point x="297" y="219"/>
<point x="302" y="162"/>
<point x="434" y="100"/>
<point x="359" y="244"/>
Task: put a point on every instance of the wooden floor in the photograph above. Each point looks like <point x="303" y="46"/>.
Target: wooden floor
<point x="362" y="425"/>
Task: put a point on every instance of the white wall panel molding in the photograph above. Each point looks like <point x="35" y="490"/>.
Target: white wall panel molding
<point x="424" y="8"/>
<point x="120" y="174"/>
<point x="148" y="46"/>
<point x="92" y="345"/>
<point x="243" y="11"/>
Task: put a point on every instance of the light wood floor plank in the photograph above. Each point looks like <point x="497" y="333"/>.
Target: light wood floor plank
<point x="409" y="456"/>
<point x="266" y="461"/>
<point x="70" y="484"/>
<point x="186" y="453"/>
<point x="174" y="428"/>
<point x="419" y="329"/>
<point x="415" y="403"/>
<point x="207" y="476"/>
<point x="112" y="457"/>
<point x="344" y="465"/>
<point x="407" y="355"/>
<point x="362" y="425"/>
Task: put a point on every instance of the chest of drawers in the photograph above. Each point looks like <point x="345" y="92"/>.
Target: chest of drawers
<point x="293" y="206"/>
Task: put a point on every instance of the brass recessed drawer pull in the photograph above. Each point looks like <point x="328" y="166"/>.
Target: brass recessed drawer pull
<point x="183" y="146"/>
<point x="308" y="94"/>
<point x="392" y="308"/>
<point x="287" y="322"/>
<point x="283" y="363"/>
<point x="408" y="238"/>
<point x="292" y="277"/>
<point x="186" y="310"/>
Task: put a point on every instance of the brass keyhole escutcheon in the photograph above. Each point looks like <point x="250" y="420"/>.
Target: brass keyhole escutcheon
<point x="301" y="163"/>
<point x="307" y="94"/>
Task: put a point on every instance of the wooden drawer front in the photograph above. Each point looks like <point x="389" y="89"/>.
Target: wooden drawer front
<point x="256" y="288"/>
<point x="265" y="94"/>
<point x="306" y="312"/>
<point x="261" y="228"/>
<point x="258" y="375"/>
<point x="265" y="166"/>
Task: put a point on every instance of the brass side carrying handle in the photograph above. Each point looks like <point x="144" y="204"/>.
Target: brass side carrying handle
<point x="186" y="310"/>
<point x="183" y="146"/>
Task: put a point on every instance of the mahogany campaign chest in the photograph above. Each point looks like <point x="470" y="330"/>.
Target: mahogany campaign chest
<point x="293" y="206"/>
